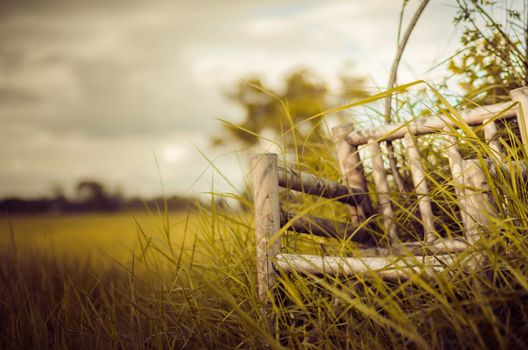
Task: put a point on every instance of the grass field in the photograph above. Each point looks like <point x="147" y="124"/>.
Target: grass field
<point x="98" y="237"/>
<point x="189" y="281"/>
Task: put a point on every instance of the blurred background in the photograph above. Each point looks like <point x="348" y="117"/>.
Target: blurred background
<point x="125" y="99"/>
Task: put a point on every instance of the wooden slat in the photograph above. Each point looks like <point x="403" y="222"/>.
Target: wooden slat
<point x="267" y="219"/>
<point x="455" y="164"/>
<point x="420" y="185"/>
<point x="427" y="125"/>
<point x="520" y="95"/>
<point x="390" y="267"/>
<point x="353" y="174"/>
<point x="324" y="227"/>
<point x="311" y="184"/>
<point x="477" y="203"/>
<point x="440" y="246"/>
<point x="491" y="135"/>
<point x="382" y="188"/>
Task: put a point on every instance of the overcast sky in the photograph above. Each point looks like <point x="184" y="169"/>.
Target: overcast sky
<point x="101" y="89"/>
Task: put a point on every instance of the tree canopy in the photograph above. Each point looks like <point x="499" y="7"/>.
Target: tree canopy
<point x="286" y="114"/>
<point x="495" y="58"/>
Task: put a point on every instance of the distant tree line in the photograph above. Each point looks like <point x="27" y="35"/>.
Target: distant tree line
<point x="91" y="196"/>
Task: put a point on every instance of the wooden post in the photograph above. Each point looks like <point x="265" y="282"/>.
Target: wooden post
<point x="521" y="95"/>
<point x="491" y="134"/>
<point x="477" y="203"/>
<point x="353" y="173"/>
<point x="267" y="219"/>
<point x="420" y="185"/>
<point x="382" y="187"/>
<point x="456" y="166"/>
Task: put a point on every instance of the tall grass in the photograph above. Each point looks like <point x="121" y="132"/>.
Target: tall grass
<point x="200" y="292"/>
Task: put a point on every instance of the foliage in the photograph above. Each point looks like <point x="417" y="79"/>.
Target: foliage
<point x="495" y="58"/>
<point x="283" y="115"/>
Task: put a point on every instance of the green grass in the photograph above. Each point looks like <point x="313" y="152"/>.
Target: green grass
<point x="189" y="281"/>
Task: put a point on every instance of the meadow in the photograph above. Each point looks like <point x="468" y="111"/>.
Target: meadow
<point x="97" y="237"/>
<point x="157" y="280"/>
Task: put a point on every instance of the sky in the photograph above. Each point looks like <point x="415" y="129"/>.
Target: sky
<point x="131" y="92"/>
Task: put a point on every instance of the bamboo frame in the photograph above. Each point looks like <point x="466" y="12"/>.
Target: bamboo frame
<point x="318" y="226"/>
<point x="267" y="219"/>
<point x="401" y="259"/>
<point x="420" y="185"/>
<point x="352" y="170"/>
<point x="521" y="96"/>
<point x="440" y="246"/>
<point x="456" y="166"/>
<point x="491" y="134"/>
<point x="311" y="184"/>
<point x="389" y="267"/>
<point x="382" y="189"/>
<point x="477" y="204"/>
<point x="429" y="125"/>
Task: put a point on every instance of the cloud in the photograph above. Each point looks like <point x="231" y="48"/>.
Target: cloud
<point x="324" y="36"/>
<point x="16" y="96"/>
<point x="90" y="88"/>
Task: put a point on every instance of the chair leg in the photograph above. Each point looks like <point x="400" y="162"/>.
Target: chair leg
<point x="267" y="219"/>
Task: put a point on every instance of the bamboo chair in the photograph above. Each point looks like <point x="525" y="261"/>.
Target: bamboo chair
<point x="426" y="257"/>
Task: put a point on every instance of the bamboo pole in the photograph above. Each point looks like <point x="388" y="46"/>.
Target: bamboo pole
<point x="382" y="188"/>
<point x="318" y="226"/>
<point x="267" y="219"/>
<point x="311" y="184"/>
<point x="389" y="267"/>
<point x="477" y="203"/>
<point x="521" y="95"/>
<point x="354" y="176"/>
<point x="420" y="185"/>
<point x="455" y="164"/>
<point x="491" y="135"/>
<point x="440" y="246"/>
<point x="428" y="125"/>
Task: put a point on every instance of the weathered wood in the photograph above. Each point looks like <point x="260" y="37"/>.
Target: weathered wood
<point x="324" y="227"/>
<point x="440" y="246"/>
<point x="354" y="176"/>
<point x="455" y="164"/>
<point x="420" y="185"/>
<point x="509" y="169"/>
<point x="491" y="135"/>
<point x="477" y="203"/>
<point x="382" y="188"/>
<point x="521" y="95"/>
<point x="389" y="267"/>
<point x="428" y="125"/>
<point x="267" y="219"/>
<point x="311" y="184"/>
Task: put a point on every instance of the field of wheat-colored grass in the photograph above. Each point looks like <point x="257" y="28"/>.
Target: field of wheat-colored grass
<point x="98" y="237"/>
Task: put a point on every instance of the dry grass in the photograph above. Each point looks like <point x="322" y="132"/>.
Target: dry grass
<point x="192" y="285"/>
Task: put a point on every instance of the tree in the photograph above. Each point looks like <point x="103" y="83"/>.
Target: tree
<point x="495" y="59"/>
<point x="285" y="114"/>
<point x="92" y="195"/>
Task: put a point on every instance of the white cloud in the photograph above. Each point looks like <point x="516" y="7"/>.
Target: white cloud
<point x="102" y="87"/>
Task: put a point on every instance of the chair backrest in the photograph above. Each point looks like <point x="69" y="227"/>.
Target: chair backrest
<point x="268" y="176"/>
